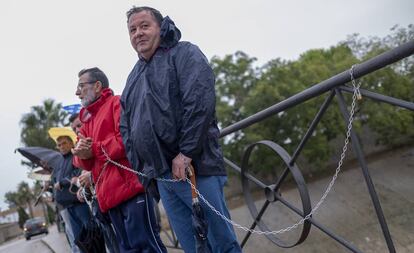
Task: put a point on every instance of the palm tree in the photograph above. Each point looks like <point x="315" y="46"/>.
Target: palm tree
<point x="36" y="123"/>
<point x="26" y="196"/>
<point x="20" y="199"/>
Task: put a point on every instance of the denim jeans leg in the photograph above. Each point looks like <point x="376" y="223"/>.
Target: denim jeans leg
<point x="221" y="235"/>
<point x="79" y="215"/>
<point x="68" y="230"/>
<point x="176" y="199"/>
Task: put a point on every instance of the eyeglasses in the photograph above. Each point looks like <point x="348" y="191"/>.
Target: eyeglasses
<point x="80" y="85"/>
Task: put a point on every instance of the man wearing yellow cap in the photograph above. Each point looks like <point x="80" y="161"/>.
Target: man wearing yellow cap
<point x="73" y="212"/>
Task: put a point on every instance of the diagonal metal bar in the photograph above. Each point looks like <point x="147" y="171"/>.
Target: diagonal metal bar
<point x="372" y="192"/>
<point x="247" y="175"/>
<point x="320" y="226"/>
<point x="381" y="98"/>
<point x="313" y="125"/>
<point x="362" y="69"/>
<point x="256" y="220"/>
<point x="305" y="138"/>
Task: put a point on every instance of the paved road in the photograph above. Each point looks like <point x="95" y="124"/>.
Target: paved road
<point x="35" y="245"/>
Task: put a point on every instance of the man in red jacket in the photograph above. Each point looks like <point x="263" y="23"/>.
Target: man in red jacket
<point x="118" y="191"/>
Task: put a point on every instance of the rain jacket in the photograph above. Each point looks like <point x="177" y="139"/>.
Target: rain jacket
<point x="168" y="107"/>
<point x="63" y="175"/>
<point x="113" y="185"/>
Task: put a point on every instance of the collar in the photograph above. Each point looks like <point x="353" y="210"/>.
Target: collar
<point x="68" y="154"/>
<point x="86" y="112"/>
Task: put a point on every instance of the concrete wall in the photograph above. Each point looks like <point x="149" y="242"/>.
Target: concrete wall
<point x="9" y="231"/>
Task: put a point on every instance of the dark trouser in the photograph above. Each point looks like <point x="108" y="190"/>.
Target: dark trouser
<point x="104" y="223"/>
<point x="136" y="227"/>
<point x="79" y="215"/>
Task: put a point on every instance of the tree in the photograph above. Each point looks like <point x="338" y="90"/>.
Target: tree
<point x="393" y="124"/>
<point x="23" y="197"/>
<point x="13" y="199"/>
<point x="51" y="214"/>
<point x="243" y="90"/>
<point x="26" y="196"/>
<point x="23" y="217"/>
<point x="35" y="124"/>
<point x="235" y="77"/>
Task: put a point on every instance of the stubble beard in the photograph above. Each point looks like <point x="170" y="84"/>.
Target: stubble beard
<point x="89" y="98"/>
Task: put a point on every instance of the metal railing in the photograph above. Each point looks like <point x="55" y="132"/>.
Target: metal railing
<point x="335" y="86"/>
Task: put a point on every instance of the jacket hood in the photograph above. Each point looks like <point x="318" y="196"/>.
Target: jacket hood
<point x="169" y="33"/>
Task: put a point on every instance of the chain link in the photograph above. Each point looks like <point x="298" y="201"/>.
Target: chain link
<point x="356" y="95"/>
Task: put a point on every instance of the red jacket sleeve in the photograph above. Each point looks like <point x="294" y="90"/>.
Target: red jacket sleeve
<point x="112" y="145"/>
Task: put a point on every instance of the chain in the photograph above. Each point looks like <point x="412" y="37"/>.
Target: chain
<point x="134" y="171"/>
<point x="100" y="174"/>
<point x="356" y="95"/>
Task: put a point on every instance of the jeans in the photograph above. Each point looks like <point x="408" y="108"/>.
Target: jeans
<point x="136" y="227"/>
<point x="79" y="215"/>
<point x="176" y="198"/>
<point x="68" y="230"/>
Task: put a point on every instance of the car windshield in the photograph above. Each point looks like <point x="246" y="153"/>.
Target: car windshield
<point x="35" y="220"/>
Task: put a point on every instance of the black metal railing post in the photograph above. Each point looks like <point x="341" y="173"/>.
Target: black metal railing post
<point x="371" y="188"/>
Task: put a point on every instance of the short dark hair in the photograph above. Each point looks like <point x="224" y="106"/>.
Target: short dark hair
<point x="154" y="12"/>
<point x="96" y="75"/>
<point x="73" y="117"/>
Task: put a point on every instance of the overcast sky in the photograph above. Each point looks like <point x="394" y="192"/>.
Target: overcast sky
<point x="45" y="43"/>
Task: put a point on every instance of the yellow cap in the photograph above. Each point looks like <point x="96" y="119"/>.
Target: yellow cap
<point x="56" y="132"/>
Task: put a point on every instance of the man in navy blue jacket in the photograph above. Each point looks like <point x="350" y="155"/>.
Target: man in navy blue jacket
<point x="168" y="121"/>
<point x="74" y="213"/>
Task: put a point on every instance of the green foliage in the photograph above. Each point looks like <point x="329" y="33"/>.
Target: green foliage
<point x="51" y="215"/>
<point x="393" y="124"/>
<point x="23" y="217"/>
<point x="21" y="198"/>
<point x="12" y="199"/>
<point x="244" y="89"/>
<point x="35" y="124"/>
<point x="235" y="77"/>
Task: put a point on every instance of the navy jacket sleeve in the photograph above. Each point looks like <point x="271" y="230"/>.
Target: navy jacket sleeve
<point x="124" y="129"/>
<point x="196" y="82"/>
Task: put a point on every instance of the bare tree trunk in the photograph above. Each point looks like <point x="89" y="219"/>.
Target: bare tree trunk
<point x="29" y="204"/>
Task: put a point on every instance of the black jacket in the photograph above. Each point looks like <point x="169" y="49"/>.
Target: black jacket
<point x="168" y="107"/>
<point x="63" y="175"/>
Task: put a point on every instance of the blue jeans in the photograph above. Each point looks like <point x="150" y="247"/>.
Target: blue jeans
<point x="176" y="198"/>
<point x="68" y="230"/>
<point x="79" y="215"/>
